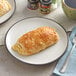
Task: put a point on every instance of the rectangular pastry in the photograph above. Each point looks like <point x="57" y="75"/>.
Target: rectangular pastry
<point x="4" y="7"/>
<point x="36" y="40"/>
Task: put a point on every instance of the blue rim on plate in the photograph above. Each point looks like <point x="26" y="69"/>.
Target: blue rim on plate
<point x="42" y="18"/>
<point x="11" y="13"/>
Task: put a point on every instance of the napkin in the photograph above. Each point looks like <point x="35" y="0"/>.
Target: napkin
<point x="71" y="68"/>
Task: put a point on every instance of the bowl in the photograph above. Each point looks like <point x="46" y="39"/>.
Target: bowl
<point x="69" y="8"/>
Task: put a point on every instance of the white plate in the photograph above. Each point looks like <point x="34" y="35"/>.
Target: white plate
<point x="48" y="55"/>
<point x="10" y="13"/>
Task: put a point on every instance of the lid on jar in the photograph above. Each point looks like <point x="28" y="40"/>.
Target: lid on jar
<point x="45" y="2"/>
<point x="33" y="1"/>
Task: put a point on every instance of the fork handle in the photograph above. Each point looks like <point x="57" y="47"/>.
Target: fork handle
<point x="63" y="68"/>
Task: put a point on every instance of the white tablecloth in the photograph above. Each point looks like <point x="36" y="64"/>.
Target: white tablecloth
<point x="22" y="12"/>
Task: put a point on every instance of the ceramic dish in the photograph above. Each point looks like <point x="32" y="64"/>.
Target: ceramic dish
<point x="48" y="55"/>
<point x="10" y="13"/>
<point x="69" y="8"/>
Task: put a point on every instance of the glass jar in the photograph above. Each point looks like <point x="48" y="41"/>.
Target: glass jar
<point x="45" y="6"/>
<point x="55" y="4"/>
<point x="33" y="4"/>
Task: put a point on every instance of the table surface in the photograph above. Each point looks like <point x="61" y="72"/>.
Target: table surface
<point x="10" y="66"/>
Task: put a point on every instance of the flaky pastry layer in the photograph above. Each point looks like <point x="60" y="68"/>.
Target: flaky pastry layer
<point x="36" y="40"/>
<point x="4" y="7"/>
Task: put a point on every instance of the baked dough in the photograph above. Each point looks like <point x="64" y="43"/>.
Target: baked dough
<point x="4" y="7"/>
<point x="36" y="40"/>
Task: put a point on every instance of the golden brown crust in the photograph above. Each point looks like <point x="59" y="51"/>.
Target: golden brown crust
<point x="4" y="7"/>
<point x="36" y="40"/>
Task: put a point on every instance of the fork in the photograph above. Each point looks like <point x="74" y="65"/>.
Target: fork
<point x="63" y="68"/>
